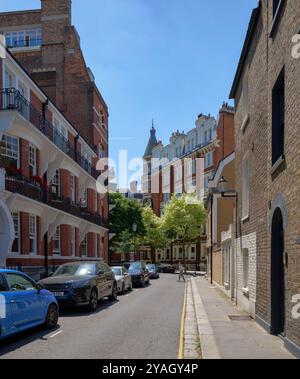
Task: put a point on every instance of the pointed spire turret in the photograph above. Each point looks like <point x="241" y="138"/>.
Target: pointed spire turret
<point x="151" y="143"/>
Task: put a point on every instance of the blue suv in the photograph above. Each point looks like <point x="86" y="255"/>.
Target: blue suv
<point x="24" y="304"/>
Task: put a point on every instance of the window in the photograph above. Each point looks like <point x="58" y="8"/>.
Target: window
<point x="55" y="187"/>
<point x="24" y="38"/>
<point x="56" y="242"/>
<point x="32" y="235"/>
<point x="84" y="199"/>
<point x="84" y="247"/>
<point x="73" y="189"/>
<point x="96" y="245"/>
<point x="9" y="81"/>
<point x="205" y="138"/>
<point x="246" y="268"/>
<point x="17" y="282"/>
<point x="16" y="243"/>
<point x="73" y="241"/>
<point x="60" y="136"/>
<point x="32" y="161"/>
<point x="166" y="178"/>
<point x="278" y="118"/>
<point x="210" y="135"/>
<point x="86" y="160"/>
<point x="246" y="190"/>
<point x="11" y="149"/>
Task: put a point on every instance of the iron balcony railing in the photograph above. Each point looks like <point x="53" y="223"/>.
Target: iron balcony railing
<point x="36" y="191"/>
<point x="12" y="99"/>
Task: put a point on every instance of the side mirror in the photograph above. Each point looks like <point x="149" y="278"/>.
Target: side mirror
<point x="40" y="287"/>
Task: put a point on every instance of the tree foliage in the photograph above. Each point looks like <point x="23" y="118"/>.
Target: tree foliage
<point x="184" y="217"/>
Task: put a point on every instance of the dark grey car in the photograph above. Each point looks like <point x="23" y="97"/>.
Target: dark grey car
<point x="82" y="284"/>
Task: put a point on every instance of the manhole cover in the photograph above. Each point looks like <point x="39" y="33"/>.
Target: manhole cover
<point x="239" y="318"/>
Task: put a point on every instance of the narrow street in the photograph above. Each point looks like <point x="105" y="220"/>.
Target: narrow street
<point x="142" y="324"/>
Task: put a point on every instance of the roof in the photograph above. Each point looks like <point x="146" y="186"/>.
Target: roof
<point x="5" y="271"/>
<point x="249" y="36"/>
<point x="151" y="143"/>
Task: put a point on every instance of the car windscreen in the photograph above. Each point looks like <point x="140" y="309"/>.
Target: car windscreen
<point x="151" y="267"/>
<point x="117" y="271"/>
<point x="75" y="269"/>
<point x="135" y="266"/>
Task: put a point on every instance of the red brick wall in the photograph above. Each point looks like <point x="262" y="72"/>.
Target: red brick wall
<point x="65" y="183"/>
<point x="91" y="200"/>
<point x="226" y="136"/>
<point x="66" y="249"/>
<point x="91" y="244"/>
<point x="24" y="157"/>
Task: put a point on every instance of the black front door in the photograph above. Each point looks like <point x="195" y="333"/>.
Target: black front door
<point x="277" y="275"/>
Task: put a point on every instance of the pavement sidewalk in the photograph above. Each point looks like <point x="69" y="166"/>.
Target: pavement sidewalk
<point x="222" y="338"/>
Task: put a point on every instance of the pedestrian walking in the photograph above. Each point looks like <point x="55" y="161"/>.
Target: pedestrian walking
<point x="181" y="272"/>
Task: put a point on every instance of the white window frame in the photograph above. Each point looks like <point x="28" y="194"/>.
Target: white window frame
<point x="57" y="238"/>
<point x="84" y="244"/>
<point x="33" y="234"/>
<point x="73" y="241"/>
<point x="73" y="188"/>
<point x="32" y="159"/>
<point x="24" y="38"/>
<point x="5" y="151"/>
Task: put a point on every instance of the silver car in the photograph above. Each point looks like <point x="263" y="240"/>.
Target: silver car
<point x="123" y="279"/>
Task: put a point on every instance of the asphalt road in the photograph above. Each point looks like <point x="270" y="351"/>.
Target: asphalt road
<point x="144" y="324"/>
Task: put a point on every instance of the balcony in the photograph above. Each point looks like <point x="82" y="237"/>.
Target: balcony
<point x="11" y="99"/>
<point x="41" y="193"/>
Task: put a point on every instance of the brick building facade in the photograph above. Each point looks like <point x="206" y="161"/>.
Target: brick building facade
<point x="47" y="45"/>
<point x="266" y="90"/>
<point x="50" y="210"/>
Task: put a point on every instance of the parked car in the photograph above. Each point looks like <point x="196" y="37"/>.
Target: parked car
<point x="24" y="304"/>
<point x="166" y="268"/>
<point x="139" y="274"/>
<point x="123" y="279"/>
<point x="82" y="284"/>
<point x="153" y="271"/>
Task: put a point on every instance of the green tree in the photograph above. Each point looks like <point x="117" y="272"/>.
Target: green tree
<point x="123" y="215"/>
<point x="154" y="236"/>
<point x="124" y="244"/>
<point x="183" y="219"/>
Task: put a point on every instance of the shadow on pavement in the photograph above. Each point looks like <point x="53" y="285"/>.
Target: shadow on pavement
<point x="24" y="338"/>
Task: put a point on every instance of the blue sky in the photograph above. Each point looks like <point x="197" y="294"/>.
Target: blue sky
<point x="164" y="59"/>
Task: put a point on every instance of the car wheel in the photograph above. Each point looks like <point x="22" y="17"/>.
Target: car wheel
<point x="52" y="317"/>
<point x="114" y="294"/>
<point x="93" y="300"/>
